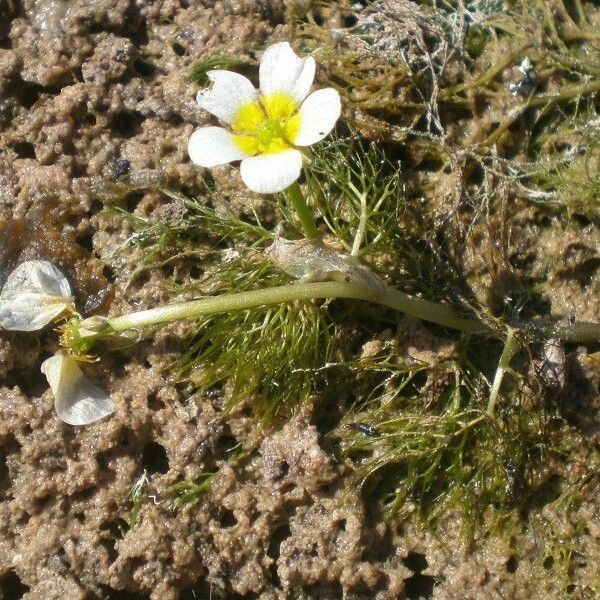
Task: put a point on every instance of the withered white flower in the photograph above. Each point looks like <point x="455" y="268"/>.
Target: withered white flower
<point x="34" y="294"/>
<point x="267" y="126"/>
<point x="77" y="400"/>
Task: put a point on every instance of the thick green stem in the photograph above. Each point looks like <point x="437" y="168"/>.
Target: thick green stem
<point x="578" y="331"/>
<point x="296" y="199"/>
<point x="423" y="309"/>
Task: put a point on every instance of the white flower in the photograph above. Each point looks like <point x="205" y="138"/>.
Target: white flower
<point x="269" y="125"/>
<point x="34" y="294"/>
<point x="76" y="399"/>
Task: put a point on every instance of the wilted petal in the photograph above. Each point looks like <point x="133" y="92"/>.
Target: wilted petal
<point x="28" y="311"/>
<point x="271" y="173"/>
<point x="281" y="70"/>
<point x="318" y="115"/>
<point x="35" y="293"/>
<point x="212" y="146"/>
<point x="76" y="399"/>
<point x="38" y="275"/>
<point x="308" y="261"/>
<point x="229" y="91"/>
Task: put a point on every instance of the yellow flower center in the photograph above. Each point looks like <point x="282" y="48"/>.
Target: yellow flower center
<point x="268" y="125"/>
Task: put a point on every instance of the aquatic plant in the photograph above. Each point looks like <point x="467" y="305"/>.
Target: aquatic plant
<point x="362" y="221"/>
<point x="301" y="304"/>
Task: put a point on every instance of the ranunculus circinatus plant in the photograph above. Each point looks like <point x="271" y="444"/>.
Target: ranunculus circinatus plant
<point x="268" y="130"/>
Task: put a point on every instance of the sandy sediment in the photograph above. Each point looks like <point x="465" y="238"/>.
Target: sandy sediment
<point x="93" y="92"/>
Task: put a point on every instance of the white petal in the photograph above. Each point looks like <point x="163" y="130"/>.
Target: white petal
<point x="271" y="173"/>
<point x="76" y="399"/>
<point x="38" y="275"/>
<point x="229" y="91"/>
<point x="27" y="311"/>
<point x="282" y="71"/>
<point x="318" y="115"/>
<point x="35" y="293"/>
<point x="212" y="146"/>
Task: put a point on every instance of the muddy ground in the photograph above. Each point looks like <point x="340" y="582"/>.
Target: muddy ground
<point x="99" y="90"/>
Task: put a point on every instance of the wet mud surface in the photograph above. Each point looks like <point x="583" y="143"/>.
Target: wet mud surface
<point x="97" y="92"/>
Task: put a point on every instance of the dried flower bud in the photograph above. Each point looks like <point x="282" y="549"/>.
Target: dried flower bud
<point x="92" y="326"/>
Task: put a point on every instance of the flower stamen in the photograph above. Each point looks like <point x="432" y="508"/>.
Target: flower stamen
<point x="267" y="125"/>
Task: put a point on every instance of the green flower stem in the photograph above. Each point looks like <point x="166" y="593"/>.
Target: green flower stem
<point x="580" y="331"/>
<point x="296" y="198"/>
<point x="511" y="347"/>
<point x="362" y="221"/>
<point x="422" y="309"/>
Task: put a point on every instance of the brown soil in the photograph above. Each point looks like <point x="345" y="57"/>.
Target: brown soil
<point x="99" y="90"/>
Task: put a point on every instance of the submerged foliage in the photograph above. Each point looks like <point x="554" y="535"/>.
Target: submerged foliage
<point x="421" y="441"/>
<point x="413" y="446"/>
<point x="359" y="194"/>
<point x="477" y="116"/>
<point x="475" y="88"/>
<point x="187" y="492"/>
<point x="267" y="355"/>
